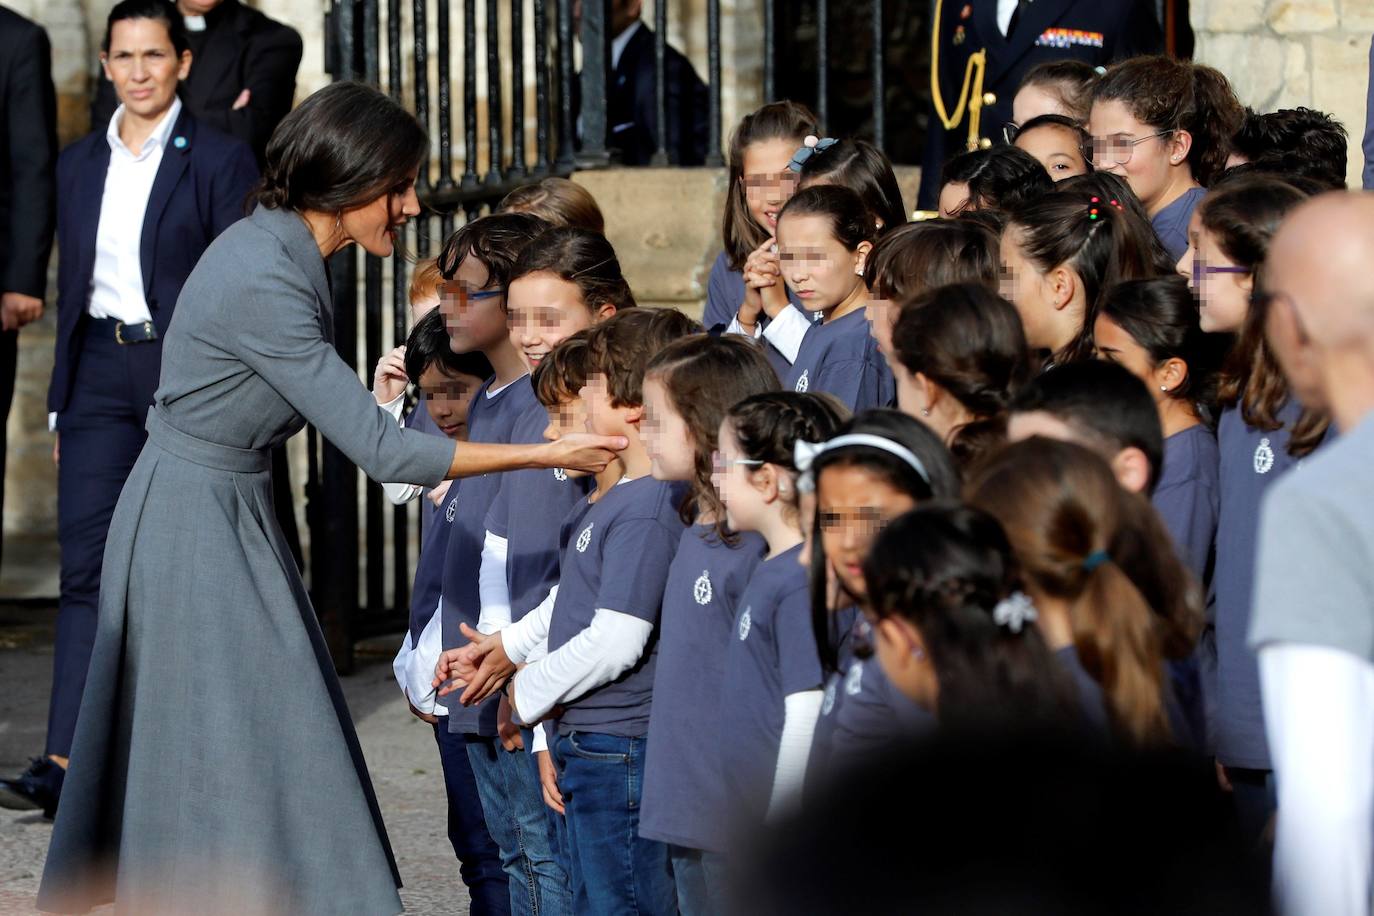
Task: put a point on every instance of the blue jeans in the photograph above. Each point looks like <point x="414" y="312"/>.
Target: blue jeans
<point x="515" y="808"/>
<point x="702" y="881"/>
<point x="614" y="869"/>
<point x="479" y="861"/>
<point x="558" y="828"/>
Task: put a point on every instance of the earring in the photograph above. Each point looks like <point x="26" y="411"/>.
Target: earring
<point x="1164" y="388"/>
<point x="925" y="411"/>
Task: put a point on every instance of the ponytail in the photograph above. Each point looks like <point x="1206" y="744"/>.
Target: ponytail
<point x="1170" y="95"/>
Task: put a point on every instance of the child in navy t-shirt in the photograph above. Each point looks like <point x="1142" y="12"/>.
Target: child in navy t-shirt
<point x="687" y="390"/>
<point x="824" y="235"/>
<point x="601" y="630"/>
<point x="771" y="691"/>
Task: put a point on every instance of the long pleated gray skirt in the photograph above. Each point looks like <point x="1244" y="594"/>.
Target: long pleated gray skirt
<point x="215" y="767"/>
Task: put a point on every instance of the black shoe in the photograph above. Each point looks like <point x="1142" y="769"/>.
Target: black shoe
<point x="39" y="786"/>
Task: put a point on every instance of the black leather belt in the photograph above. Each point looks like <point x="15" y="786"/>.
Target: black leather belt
<point x="121" y="333"/>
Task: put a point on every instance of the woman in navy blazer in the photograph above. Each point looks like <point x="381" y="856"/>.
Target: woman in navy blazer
<point x="118" y="282"/>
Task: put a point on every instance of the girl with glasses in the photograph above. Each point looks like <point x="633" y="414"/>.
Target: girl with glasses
<point x="1164" y="125"/>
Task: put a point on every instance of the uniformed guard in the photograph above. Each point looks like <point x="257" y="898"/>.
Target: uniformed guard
<point x="981" y="49"/>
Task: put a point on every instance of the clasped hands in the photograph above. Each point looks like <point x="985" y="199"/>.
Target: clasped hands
<point x="480" y="668"/>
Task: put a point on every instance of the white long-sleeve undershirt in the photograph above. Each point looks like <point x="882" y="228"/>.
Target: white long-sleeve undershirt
<point x="800" y="712"/>
<point x="609" y="646"/>
<point x="398" y="494"/>
<point x="523" y="637"/>
<point x="785" y="332"/>
<point x="414" y="666"/>
<point x="1319" y="715"/>
<point x="492" y="587"/>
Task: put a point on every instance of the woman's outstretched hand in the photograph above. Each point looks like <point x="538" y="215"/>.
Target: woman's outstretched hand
<point x="581" y="452"/>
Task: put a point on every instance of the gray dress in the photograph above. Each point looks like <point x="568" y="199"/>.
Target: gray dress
<point x="215" y="767"/>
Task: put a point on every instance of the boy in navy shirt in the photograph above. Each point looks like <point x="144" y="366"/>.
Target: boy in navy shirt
<point x="601" y="631"/>
<point x="476" y="263"/>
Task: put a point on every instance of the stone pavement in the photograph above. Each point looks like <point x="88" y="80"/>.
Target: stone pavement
<point x="400" y="753"/>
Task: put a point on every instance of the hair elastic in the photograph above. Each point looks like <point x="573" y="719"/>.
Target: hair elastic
<point x="1092" y="210"/>
<point x="806" y="453"/>
<point x="1095" y="559"/>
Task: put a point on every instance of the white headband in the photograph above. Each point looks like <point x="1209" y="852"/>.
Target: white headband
<point x="804" y="454"/>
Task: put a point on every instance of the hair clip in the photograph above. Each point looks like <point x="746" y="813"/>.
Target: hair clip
<point x="811" y="146"/>
<point x="1095" y="559"/>
<point x="1014" y="611"/>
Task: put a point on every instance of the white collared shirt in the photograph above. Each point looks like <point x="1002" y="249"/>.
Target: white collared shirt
<point x="117" y="281"/>
<point x="620" y="41"/>
<point x="1004" y="10"/>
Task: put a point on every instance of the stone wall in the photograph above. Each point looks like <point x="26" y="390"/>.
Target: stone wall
<point x="1286" y="53"/>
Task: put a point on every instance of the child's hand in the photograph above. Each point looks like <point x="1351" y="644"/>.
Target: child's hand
<point x="454" y="668"/>
<point x="390" y="380"/>
<point x="437" y="495"/>
<point x="422" y="716"/>
<point x="481" y="666"/>
<point x="548" y="781"/>
<point x="509" y="732"/>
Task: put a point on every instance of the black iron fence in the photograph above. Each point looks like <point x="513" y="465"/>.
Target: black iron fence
<point x="362" y="551"/>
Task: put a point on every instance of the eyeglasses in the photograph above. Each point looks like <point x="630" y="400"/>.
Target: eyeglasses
<point x="1117" y="149"/>
<point x="1202" y="270"/>
<point x="454" y="289"/>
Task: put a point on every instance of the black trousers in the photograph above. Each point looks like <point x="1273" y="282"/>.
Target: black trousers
<point x="9" y="363"/>
<point x="102" y="434"/>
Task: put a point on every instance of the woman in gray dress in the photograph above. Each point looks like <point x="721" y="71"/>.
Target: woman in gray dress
<point x="215" y="766"/>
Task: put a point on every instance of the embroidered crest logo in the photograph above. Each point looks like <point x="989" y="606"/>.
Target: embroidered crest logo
<point x="804" y="380"/>
<point x="584" y="538"/>
<point x="560" y="475"/>
<point x="1264" y="457"/>
<point x="701" y="590"/>
<point x="828" y="699"/>
<point x="745" y="622"/>
<point x="452" y="511"/>
<point x="854" y="679"/>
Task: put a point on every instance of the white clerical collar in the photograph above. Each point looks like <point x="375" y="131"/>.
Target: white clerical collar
<point x="194" y="23"/>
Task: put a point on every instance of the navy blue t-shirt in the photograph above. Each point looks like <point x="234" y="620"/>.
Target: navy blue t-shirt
<point x="490" y="419"/>
<point x="841" y="357"/>
<point x="618" y="560"/>
<point x="1186" y="496"/>
<point x="683" y="800"/>
<point x="863" y="714"/>
<point x="772" y="655"/>
<point x="528" y="512"/>
<point x="429" y="569"/>
<point x="1171" y="223"/>
<point x="1250" y="461"/>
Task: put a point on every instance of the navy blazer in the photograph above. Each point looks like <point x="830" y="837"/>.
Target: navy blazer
<point x="201" y="188"/>
<point x="1095" y="31"/>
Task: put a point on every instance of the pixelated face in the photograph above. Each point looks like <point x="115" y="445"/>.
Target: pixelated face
<point x="1222" y="288"/>
<point x="144" y="66"/>
<point x="1023" y="285"/>
<point x="568" y="416"/>
<point x="853" y="504"/>
<point x="603" y="418"/>
<point x="732" y="472"/>
<point x="1034" y="101"/>
<point x="953" y="199"/>
<point x="1056" y="148"/>
<point x="768" y="182"/>
<point x="816" y="266"/>
<point x="543" y="311"/>
<point x="1115" y="345"/>
<point x="1126" y="147"/>
<point x="882" y="318"/>
<point x="665" y="434"/>
<point x="448" y="397"/>
<point x="473" y="309"/>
